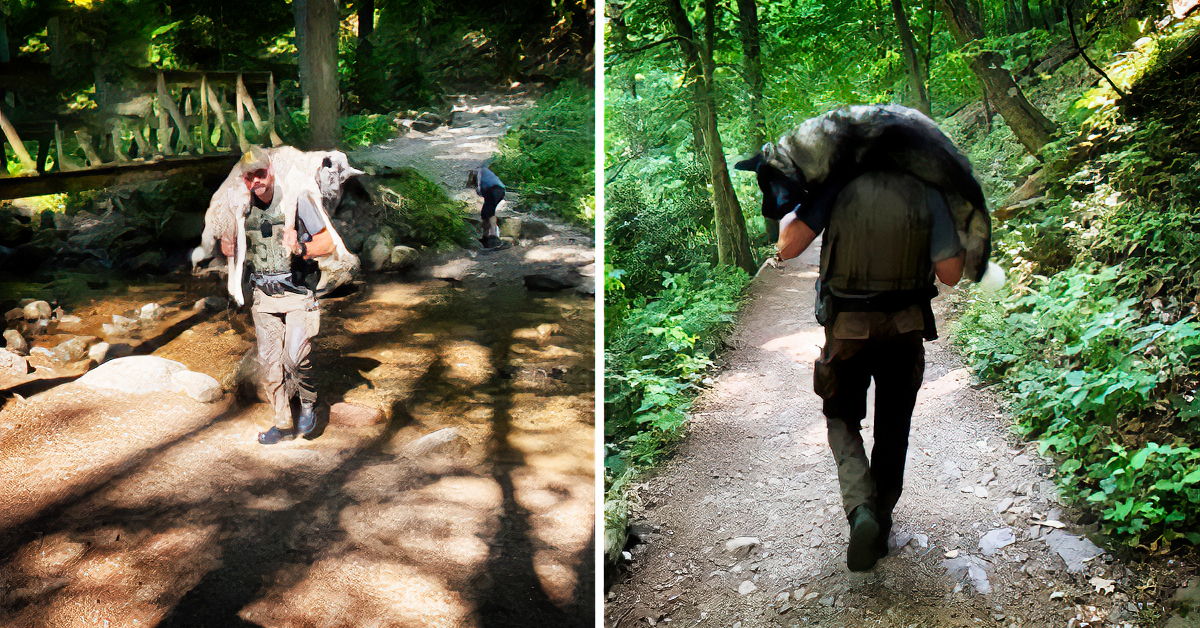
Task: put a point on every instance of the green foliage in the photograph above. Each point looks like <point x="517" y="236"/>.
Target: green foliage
<point x="364" y="130"/>
<point x="657" y="353"/>
<point x="549" y="155"/>
<point x="1083" y="362"/>
<point x="420" y="212"/>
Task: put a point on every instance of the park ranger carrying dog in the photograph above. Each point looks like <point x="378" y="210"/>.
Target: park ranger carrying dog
<point x="898" y="206"/>
<point x="283" y="277"/>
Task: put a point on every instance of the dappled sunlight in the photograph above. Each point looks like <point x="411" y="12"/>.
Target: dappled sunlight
<point x="359" y="590"/>
<point x="468" y="363"/>
<point x="560" y="255"/>
<point x="78" y="437"/>
<point x="951" y="382"/>
<point x="106" y="574"/>
<point x="804" y="346"/>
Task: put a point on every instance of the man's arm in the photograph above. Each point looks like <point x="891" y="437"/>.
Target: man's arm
<point x="794" y="236"/>
<point x="949" y="270"/>
<point x="322" y="244"/>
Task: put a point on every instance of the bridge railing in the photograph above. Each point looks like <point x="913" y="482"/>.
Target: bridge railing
<point x="178" y="116"/>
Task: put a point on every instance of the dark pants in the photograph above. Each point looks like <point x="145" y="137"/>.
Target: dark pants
<point x="843" y="372"/>
<point x="491" y="198"/>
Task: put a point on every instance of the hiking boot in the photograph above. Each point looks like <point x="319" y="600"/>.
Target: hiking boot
<point x="274" y="435"/>
<point x="307" y="421"/>
<point x="491" y="242"/>
<point x="861" y="553"/>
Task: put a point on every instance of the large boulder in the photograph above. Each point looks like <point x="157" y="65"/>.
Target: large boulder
<point x="15" y="342"/>
<point x="12" y="364"/>
<point x="38" y="310"/>
<point x="73" y="350"/>
<point x="198" y="386"/>
<point x="377" y="251"/>
<point x="403" y="258"/>
<point x="144" y="374"/>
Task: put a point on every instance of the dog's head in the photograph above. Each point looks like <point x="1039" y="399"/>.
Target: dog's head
<point x="783" y="185"/>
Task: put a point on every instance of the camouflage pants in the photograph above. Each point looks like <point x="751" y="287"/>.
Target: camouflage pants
<point x="284" y="326"/>
<point x="859" y="347"/>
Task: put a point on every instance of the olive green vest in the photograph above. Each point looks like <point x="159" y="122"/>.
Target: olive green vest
<point x="878" y="236"/>
<point x="266" y="254"/>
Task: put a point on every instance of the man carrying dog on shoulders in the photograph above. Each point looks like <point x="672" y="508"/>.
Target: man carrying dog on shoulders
<point x="888" y="233"/>
<point x="283" y="276"/>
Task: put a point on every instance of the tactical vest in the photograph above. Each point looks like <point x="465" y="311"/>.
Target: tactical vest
<point x="266" y="253"/>
<point x="878" y="237"/>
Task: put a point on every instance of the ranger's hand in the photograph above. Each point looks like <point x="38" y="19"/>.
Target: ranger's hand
<point x="289" y="241"/>
<point x="228" y="248"/>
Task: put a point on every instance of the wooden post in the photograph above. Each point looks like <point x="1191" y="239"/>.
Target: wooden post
<point x="240" y="98"/>
<point x="60" y="160"/>
<point x="275" y="139"/>
<point x="244" y="96"/>
<point x="205" y="130"/>
<point x="118" y="127"/>
<point x="219" y="112"/>
<point x="164" y="122"/>
<point x="85" y="142"/>
<point x="28" y="165"/>
<point x="165" y="100"/>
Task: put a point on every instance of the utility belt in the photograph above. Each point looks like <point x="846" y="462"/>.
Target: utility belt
<point x="276" y="284"/>
<point x="829" y="305"/>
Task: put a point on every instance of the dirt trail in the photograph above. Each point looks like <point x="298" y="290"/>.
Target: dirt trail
<point x="130" y="510"/>
<point x="757" y="464"/>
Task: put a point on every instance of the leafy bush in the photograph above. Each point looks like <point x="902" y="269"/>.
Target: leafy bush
<point x="549" y="156"/>
<point x="420" y="212"/>
<point x="658" y="352"/>
<point x="1089" y="370"/>
<point x="364" y="130"/>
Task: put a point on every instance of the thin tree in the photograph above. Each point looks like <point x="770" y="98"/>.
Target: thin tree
<point x="733" y="244"/>
<point x="917" y="75"/>
<point x="364" y="56"/>
<point x="1027" y="122"/>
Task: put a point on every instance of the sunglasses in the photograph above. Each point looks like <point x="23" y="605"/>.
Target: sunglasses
<point x="261" y="173"/>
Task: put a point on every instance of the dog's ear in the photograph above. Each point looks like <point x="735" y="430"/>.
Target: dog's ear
<point x="750" y="164"/>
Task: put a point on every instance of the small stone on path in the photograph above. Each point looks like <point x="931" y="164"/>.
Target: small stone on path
<point x="746" y="588"/>
<point x="995" y="540"/>
<point x="1074" y="550"/>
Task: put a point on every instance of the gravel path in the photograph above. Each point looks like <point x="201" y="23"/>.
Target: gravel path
<point x="744" y="527"/>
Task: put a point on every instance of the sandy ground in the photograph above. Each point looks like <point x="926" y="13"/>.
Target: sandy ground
<point x="756" y="472"/>
<point x="132" y="510"/>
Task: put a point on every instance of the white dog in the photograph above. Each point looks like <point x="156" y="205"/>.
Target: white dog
<point x="319" y="175"/>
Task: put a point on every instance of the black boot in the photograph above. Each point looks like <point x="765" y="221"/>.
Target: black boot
<point x="864" y="531"/>
<point x="881" y="541"/>
<point x="274" y="435"/>
<point x="307" y="421"/>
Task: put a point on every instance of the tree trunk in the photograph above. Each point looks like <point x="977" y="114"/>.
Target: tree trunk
<point x="364" y="58"/>
<point x="322" y="89"/>
<point x="300" y="12"/>
<point x="1032" y="128"/>
<point x="695" y="75"/>
<point x="1026" y="15"/>
<point x="733" y="245"/>
<point x="752" y="68"/>
<point x="916" y="72"/>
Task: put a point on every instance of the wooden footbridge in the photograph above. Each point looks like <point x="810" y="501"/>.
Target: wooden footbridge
<point x="175" y="120"/>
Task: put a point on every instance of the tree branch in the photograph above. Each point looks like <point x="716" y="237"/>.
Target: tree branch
<point x="1092" y="64"/>
<point x="633" y="51"/>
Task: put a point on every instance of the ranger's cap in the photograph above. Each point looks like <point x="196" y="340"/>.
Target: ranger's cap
<point x="256" y="158"/>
